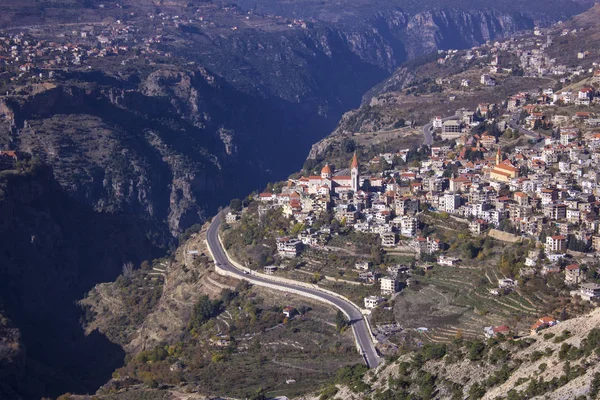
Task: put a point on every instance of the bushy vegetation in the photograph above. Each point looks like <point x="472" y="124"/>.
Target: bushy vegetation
<point x="352" y="376"/>
<point x="253" y="240"/>
<point x="208" y="349"/>
<point x="204" y="310"/>
<point x="138" y="295"/>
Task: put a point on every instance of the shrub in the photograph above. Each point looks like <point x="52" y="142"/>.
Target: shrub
<point x="497" y="354"/>
<point x="203" y="311"/>
<point x="563" y="336"/>
<point x="542" y="367"/>
<point x="536" y="355"/>
<point x="476" y="391"/>
<point x="352" y="376"/>
<point x="433" y="351"/>
<point x="595" y="386"/>
<point x="476" y="350"/>
<point x="548" y="336"/>
<point x="426" y="384"/>
<point x="329" y="392"/>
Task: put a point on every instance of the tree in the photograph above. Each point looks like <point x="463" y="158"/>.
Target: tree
<point x="145" y="265"/>
<point x="203" y="311"/>
<point x="577" y="245"/>
<point x="376" y="254"/>
<point x="470" y="251"/>
<point x="127" y="269"/>
<point x="348" y="146"/>
<point x="235" y="205"/>
<point x="341" y="322"/>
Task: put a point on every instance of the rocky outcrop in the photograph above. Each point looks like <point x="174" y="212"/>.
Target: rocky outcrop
<point x="184" y="280"/>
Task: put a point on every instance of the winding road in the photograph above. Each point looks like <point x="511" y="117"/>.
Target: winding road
<point x="357" y="322"/>
<point x="428" y="134"/>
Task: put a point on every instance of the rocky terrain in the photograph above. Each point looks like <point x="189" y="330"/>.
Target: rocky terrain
<point x="53" y="251"/>
<point x="558" y="363"/>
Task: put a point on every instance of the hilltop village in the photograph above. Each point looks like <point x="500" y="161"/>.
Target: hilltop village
<point x="34" y="55"/>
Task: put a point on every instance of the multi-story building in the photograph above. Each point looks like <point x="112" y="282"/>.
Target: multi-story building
<point x="287" y="247"/>
<point x="451" y="129"/>
<point x="388" y="285"/>
<point x="587" y="291"/>
<point x="573" y="274"/>
<point x="372" y="301"/>
<point x="451" y="202"/>
<point x="388" y="239"/>
<point x="408" y="226"/>
<point x="556" y="244"/>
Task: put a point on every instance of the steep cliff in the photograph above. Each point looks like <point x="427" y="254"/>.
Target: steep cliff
<point x="53" y="251"/>
<point x="12" y="359"/>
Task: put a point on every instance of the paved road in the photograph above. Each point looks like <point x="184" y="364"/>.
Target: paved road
<point x="427" y="133"/>
<point x="513" y="123"/>
<point x="359" y="326"/>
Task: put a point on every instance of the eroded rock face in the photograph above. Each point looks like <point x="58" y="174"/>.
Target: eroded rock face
<point x="53" y="251"/>
<point x="109" y="150"/>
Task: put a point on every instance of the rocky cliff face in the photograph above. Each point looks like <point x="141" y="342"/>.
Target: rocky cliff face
<point x="53" y="251"/>
<point x="557" y="363"/>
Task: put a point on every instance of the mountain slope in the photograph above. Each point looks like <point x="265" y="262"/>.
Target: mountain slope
<point x="558" y="363"/>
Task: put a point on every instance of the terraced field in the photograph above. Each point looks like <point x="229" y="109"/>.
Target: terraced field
<point x="455" y="302"/>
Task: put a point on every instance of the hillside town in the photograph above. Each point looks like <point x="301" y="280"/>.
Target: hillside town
<point x="522" y="170"/>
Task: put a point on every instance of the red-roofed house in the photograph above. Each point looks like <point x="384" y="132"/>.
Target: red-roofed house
<point x="542" y="323"/>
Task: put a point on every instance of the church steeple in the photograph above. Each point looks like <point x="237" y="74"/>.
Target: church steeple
<point x="498" y="156"/>
<point x="354" y="173"/>
<point x="326" y="172"/>
<point x="354" y="163"/>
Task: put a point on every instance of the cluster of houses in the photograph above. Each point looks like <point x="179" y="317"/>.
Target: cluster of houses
<point x="539" y="325"/>
<point x="532" y="56"/>
<point x="25" y="55"/>
<point x="546" y="191"/>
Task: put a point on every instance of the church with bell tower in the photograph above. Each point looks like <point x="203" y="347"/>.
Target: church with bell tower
<point x="329" y="181"/>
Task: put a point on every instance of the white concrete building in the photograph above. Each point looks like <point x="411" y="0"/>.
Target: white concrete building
<point x="388" y="285"/>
